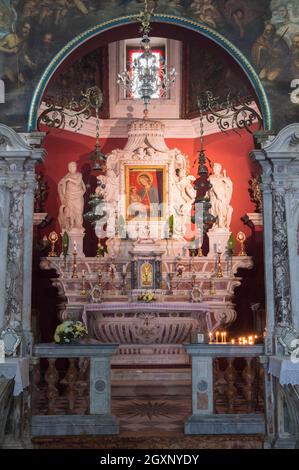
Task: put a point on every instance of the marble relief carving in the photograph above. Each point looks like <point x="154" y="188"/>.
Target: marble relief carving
<point x="281" y="261"/>
<point x="15" y="259"/>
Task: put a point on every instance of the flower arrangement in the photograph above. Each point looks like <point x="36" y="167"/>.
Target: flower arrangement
<point x="147" y="296"/>
<point x="69" y="330"/>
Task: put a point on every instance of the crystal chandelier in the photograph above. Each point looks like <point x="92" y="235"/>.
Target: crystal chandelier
<point x="147" y="75"/>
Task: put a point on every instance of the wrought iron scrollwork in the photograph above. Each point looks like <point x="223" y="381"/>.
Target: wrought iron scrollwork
<point x="62" y="113"/>
<point x="233" y="112"/>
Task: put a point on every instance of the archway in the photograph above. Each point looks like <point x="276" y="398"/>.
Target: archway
<point x="201" y="29"/>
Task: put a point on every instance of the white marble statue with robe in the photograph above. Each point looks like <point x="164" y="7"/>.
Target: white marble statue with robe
<point x="220" y="197"/>
<point x="183" y="199"/>
<point x="71" y="190"/>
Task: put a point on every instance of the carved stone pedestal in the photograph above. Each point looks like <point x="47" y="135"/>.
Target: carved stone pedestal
<point x="76" y="235"/>
<point x="218" y="238"/>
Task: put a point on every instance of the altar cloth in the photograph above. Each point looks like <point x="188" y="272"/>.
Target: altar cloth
<point x="285" y="370"/>
<point x="16" y="368"/>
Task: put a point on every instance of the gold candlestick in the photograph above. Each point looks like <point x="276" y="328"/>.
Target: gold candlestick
<point x="53" y="237"/>
<point x="212" y="288"/>
<point x="241" y="237"/>
<point x="99" y="249"/>
<point x="219" y="272"/>
<point x="199" y="253"/>
<point x="75" y="273"/>
<point x="83" y="288"/>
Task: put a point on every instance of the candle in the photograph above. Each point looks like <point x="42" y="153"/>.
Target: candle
<point x="233" y="341"/>
<point x="75" y="247"/>
<point x="124" y="269"/>
<point x="210" y="336"/>
<point x="250" y="340"/>
<point x="218" y="247"/>
<point x="240" y="340"/>
<point x="217" y="334"/>
<point x="224" y="337"/>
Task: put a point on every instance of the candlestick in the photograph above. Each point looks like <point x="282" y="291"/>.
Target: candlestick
<point x="170" y="276"/>
<point x="99" y="249"/>
<point x="83" y="289"/>
<point x="241" y="237"/>
<point x="53" y="237"/>
<point x="74" y="272"/>
<point x="219" y="272"/>
<point x="212" y="288"/>
<point x="123" y="286"/>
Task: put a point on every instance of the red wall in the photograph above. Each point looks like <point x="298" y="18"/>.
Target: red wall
<point x="231" y="150"/>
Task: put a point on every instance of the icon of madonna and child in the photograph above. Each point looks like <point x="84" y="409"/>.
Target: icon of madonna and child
<point x="145" y="189"/>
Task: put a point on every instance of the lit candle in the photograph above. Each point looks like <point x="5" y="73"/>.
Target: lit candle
<point x="224" y="336"/>
<point x="240" y="340"/>
<point x="250" y="340"/>
<point x="217" y="334"/>
<point x="75" y="247"/>
<point x="210" y="336"/>
<point x="233" y="341"/>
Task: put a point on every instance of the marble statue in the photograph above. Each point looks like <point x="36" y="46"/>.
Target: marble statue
<point x="220" y="196"/>
<point x="183" y="199"/>
<point x="71" y="189"/>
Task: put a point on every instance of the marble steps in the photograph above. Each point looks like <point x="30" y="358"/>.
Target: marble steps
<point x="150" y="382"/>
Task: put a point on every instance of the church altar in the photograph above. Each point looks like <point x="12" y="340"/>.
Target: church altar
<point x="146" y="185"/>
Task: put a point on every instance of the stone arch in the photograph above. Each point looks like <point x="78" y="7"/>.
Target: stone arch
<point x="192" y="25"/>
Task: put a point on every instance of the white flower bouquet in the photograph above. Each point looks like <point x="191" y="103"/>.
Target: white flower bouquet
<point x="69" y="330"/>
<point x="147" y="296"/>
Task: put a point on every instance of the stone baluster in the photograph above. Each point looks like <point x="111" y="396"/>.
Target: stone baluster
<point x="230" y="377"/>
<point x="35" y="390"/>
<point x="248" y="375"/>
<point x="70" y="380"/>
<point x="51" y="378"/>
<point x="83" y="384"/>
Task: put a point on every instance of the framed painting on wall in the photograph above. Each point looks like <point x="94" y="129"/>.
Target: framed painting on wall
<point x="146" y="192"/>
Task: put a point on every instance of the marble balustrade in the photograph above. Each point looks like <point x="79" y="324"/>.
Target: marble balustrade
<point x="83" y="405"/>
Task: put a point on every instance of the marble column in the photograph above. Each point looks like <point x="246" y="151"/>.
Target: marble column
<point x="279" y="158"/>
<point x="19" y="153"/>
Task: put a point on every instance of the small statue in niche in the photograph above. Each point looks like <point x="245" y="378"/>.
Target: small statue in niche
<point x="71" y="190"/>
<point x="220" y="196"/>
<point x="40" y="193"/>
<point x="256" y="193"/>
